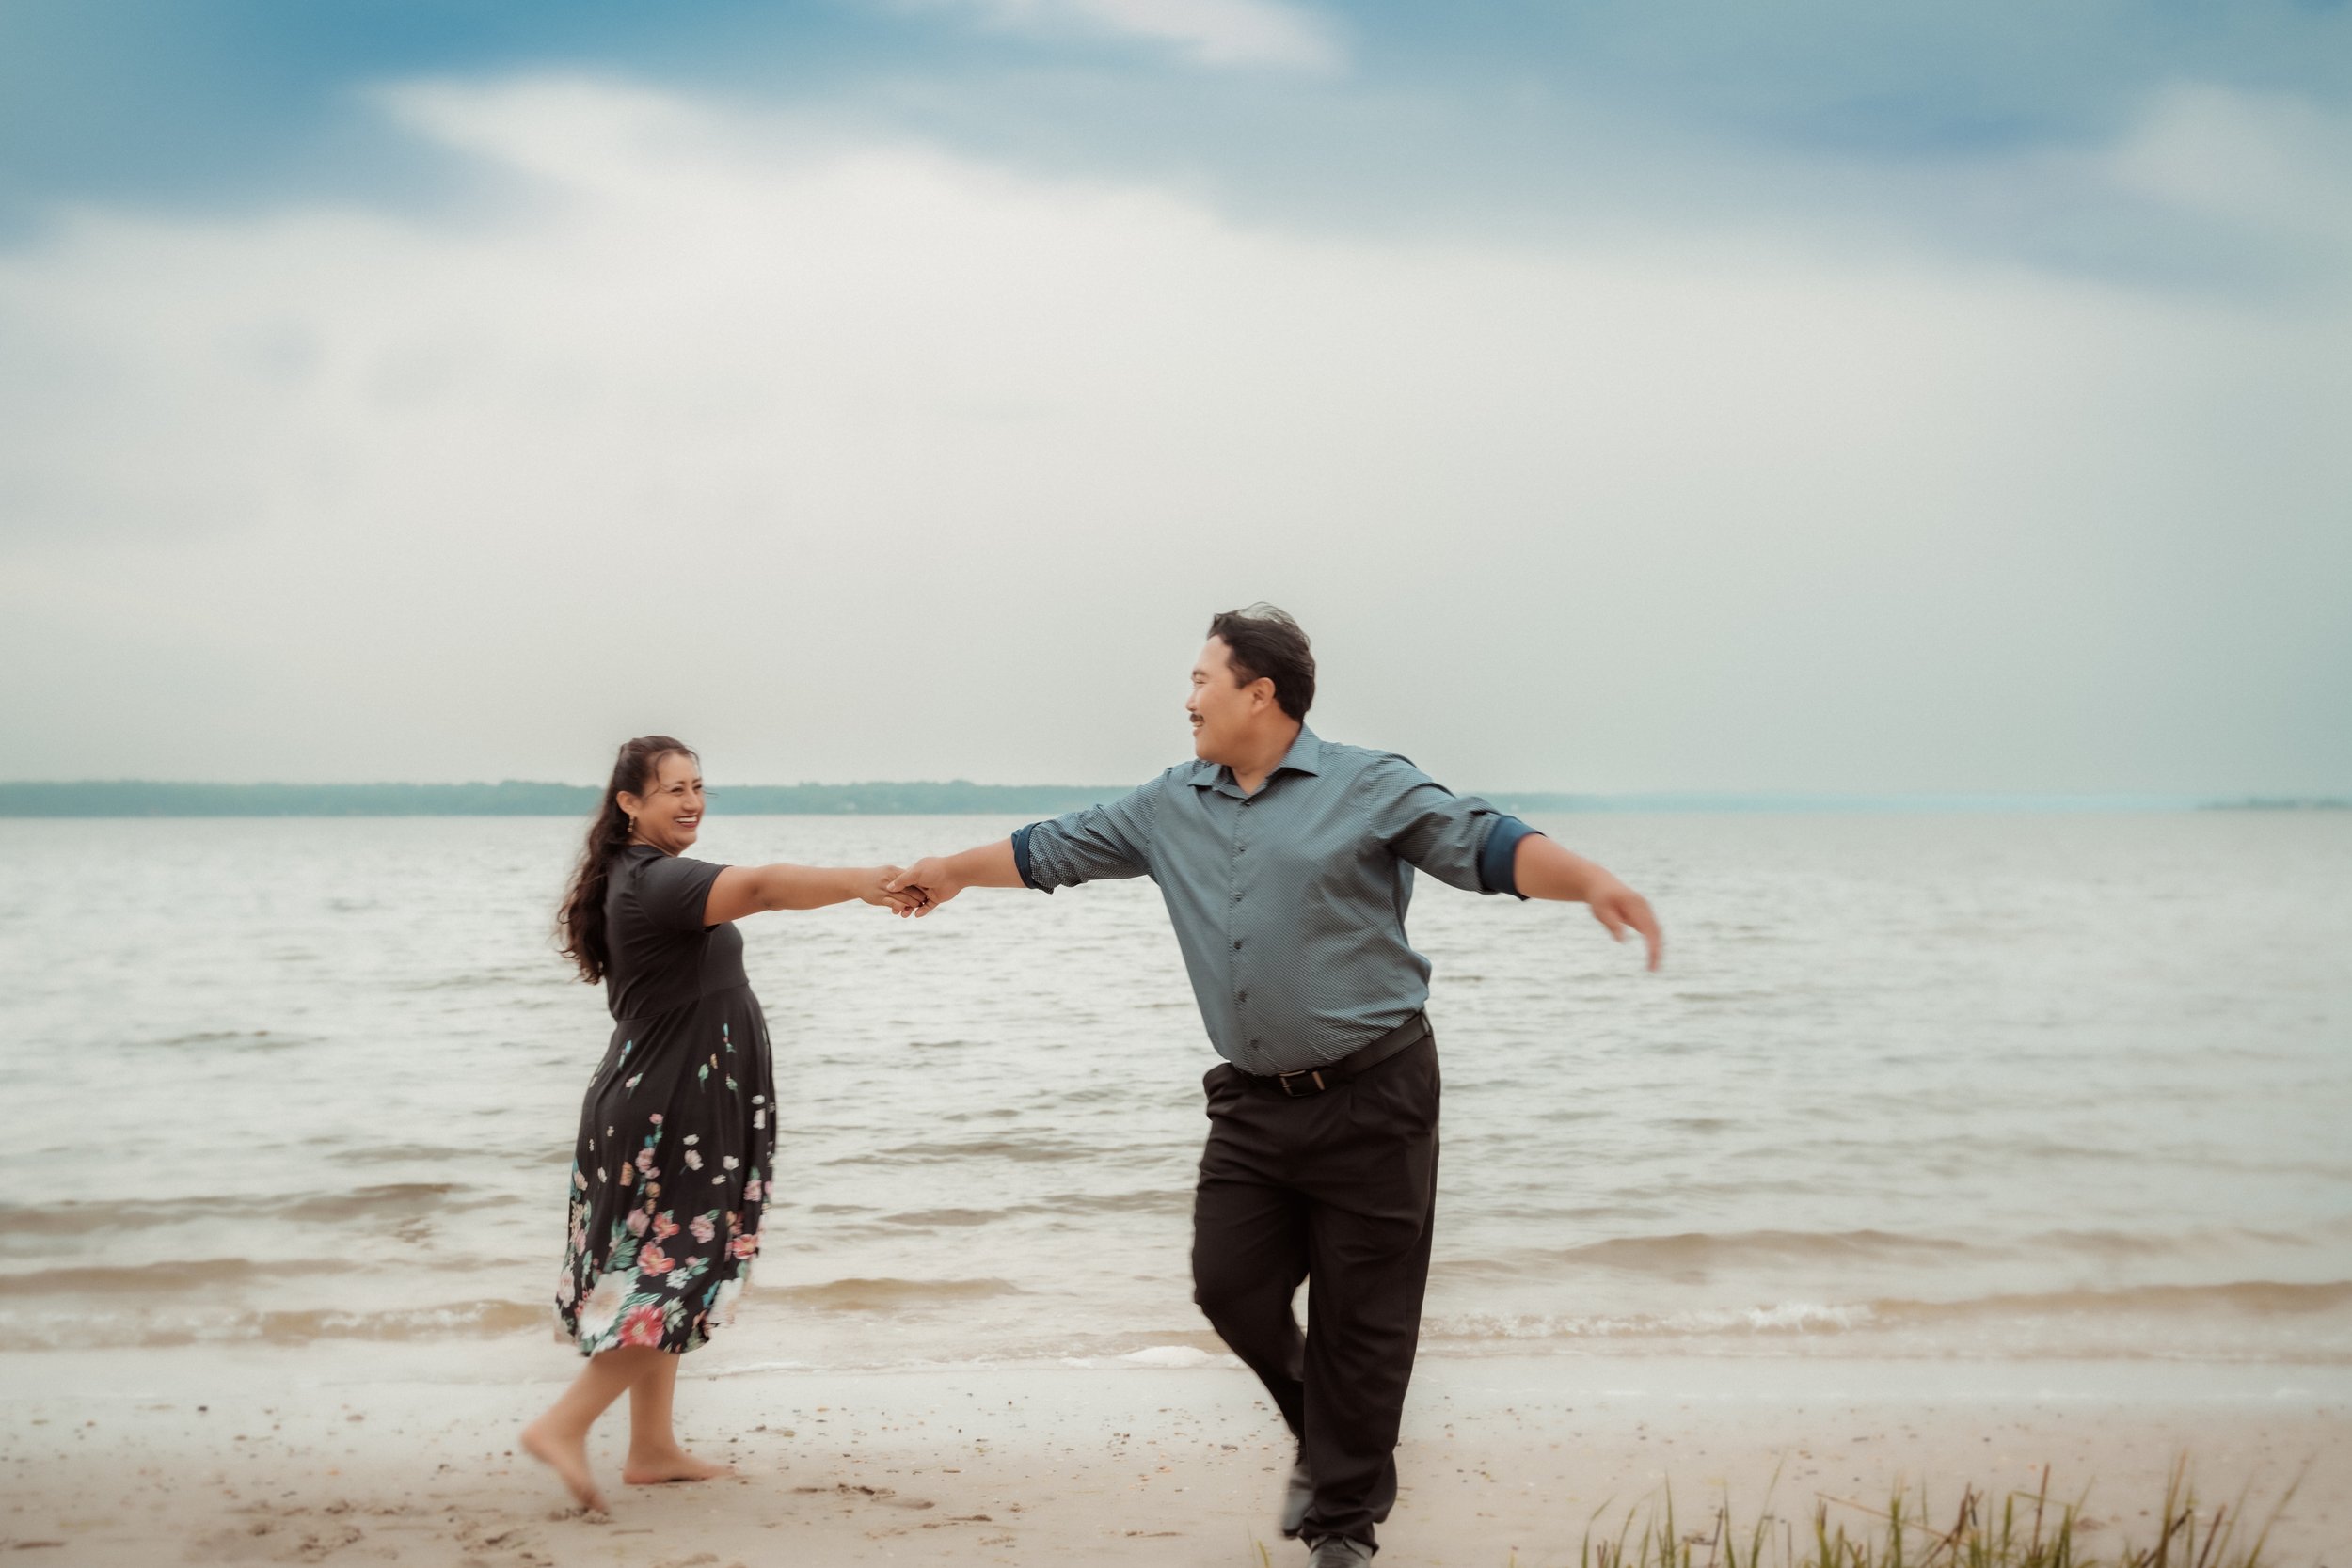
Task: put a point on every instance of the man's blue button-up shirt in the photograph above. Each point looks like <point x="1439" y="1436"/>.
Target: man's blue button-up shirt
<point x="1289" y="904"/>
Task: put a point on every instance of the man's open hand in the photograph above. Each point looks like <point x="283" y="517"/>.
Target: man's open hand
<point x="1622" y="910"/>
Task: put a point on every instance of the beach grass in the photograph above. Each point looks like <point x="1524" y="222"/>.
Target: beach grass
<point x="2016" y="1530"/>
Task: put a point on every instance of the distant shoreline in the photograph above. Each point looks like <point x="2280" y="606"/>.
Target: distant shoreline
<point x="127" y="797"/>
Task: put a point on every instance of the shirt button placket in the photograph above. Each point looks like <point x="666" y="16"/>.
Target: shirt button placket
<point x="1233" y="920"/>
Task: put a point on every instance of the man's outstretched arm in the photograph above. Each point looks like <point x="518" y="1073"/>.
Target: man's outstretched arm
<point x="940" y="877"/>
<point x="1089" y="845"/>
<point x="1543" y="869"/>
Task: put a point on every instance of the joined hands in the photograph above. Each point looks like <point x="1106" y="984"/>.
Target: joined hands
<point x="880" y="886"/>
<point x="920" y="888"/>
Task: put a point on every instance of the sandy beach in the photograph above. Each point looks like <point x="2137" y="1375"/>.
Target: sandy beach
<point x="404" y="1454"/>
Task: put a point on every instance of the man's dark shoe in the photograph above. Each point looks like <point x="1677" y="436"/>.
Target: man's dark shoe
<point x="1297" y="1493"/>
<point x="1338" y="1551"/>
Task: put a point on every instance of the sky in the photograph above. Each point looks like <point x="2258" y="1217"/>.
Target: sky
<point x="1827" y="397"/>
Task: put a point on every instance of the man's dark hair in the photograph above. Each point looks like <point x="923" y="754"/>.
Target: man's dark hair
<point x="1262" y="642"/>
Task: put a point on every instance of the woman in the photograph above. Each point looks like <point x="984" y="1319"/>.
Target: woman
<point x="672" y="1164"/>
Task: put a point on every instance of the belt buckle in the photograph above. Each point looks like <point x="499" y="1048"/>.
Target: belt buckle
<point x="1285" y="1078"/>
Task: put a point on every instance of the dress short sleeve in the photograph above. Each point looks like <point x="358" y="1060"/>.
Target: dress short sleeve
<point x="672" y="891"/>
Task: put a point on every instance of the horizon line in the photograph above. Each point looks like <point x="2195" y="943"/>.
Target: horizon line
<point x="136" y="798"/>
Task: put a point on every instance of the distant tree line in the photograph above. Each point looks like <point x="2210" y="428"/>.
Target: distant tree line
<point x="519" y="798"/>
<point x="525" y="798"/>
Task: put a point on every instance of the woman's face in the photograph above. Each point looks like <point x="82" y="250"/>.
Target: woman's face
<point x="670" y="813"/>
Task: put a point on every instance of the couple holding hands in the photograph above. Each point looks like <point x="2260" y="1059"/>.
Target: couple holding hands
<point x="1286" y="861"/>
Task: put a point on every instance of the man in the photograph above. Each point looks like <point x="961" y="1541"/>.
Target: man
<point x="1286" y="863"/>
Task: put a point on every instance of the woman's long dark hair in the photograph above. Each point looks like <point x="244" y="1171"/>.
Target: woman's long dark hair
<point x="579" y="922"/>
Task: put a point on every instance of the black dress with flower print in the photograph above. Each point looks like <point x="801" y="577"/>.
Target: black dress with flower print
<point x="677" y="1133"/>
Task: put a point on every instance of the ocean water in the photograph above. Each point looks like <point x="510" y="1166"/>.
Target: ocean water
<point x="1950" y="1087"/>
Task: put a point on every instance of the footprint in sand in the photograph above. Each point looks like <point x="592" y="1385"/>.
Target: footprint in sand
<point x="318" y="1546"/>
<point x="882" y="1495"/>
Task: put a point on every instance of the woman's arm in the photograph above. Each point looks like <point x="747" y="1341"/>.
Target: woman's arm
<point x="742" y="890"/>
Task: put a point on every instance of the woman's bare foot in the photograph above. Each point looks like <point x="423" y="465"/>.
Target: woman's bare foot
<point x="568" y="1456"/>
<point x="676" y="1464"/>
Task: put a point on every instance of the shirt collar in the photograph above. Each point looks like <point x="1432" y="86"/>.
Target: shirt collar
<point x="1305" y="756"/>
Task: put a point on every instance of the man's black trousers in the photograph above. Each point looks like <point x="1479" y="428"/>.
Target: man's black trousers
<point x="1338" y="1189"/>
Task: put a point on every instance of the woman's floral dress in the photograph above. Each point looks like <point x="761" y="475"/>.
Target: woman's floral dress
<point x="677" y="1133"/>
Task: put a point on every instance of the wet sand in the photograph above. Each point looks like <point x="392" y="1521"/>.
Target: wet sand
<point x="404" y="1454"/>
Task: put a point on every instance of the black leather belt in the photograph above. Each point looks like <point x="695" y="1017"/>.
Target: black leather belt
<point x="1315" y="1080"/>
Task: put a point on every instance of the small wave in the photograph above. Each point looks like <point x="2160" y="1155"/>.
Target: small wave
<point x="2253" y="1297"/>
<point x="1791" y="1317"/>
<point x="1690" y="1255"/>
<point x="2244" y="1298"/>
<point x="926" y="1218"/>
<point x="227" y="1040"/>
<point x="391" y="1202"/>
<point x="1145" y="1201"/>
<point x="2134" y="1244"/>
<point x="72" y="1218"/>
<point x="1028" y="1150"/>
<point x="472" y="1319"/>
<point x="2109" y="1243"/>
<point x="390" y="1154"/>
<point x="86" y="1330"/>
<point x="1696" y="1250"/>
<point x="489" y="979"/>
<point x="160" y="1279"/>
<point x="890" y="1295"/>
<point x="1142" y="1200"/>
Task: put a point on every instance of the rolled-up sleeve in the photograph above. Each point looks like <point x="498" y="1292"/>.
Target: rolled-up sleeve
<point x="1497" y="862"/>
<point x="1096" y="844"/>
<point x="1445" y="834"/>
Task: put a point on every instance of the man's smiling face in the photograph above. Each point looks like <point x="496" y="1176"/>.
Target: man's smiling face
<point x="1222" y="710"/>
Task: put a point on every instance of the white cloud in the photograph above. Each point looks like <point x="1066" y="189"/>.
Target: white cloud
<point x="857" y="460"/>
<point x="1224" y="33"/>
<point x="2277" y="164"/>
